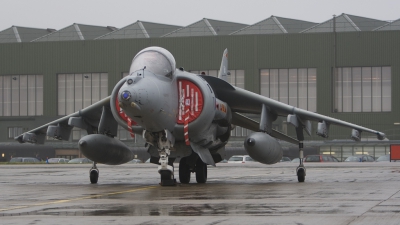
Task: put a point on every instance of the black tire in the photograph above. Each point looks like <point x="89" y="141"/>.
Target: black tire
<point x="184" y="171"/>
<point x="94" y="176"/>
<point x="301" y="175"/>
<point x="166" y="175"/>
<point x="201" y="171"/>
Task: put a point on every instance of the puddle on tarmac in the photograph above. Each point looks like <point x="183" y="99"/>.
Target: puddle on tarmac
<point x="176" y="210"/>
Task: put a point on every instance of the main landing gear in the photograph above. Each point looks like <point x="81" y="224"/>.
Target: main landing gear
<point x="186" y="168"/>
<point x="301" y="170"/>
<point x="184" y="171"/>
<point x="94" y="174"/>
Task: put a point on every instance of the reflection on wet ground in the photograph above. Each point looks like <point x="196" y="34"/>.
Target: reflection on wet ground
<point x="182" y="210"/>
<point x="233" y="193"/>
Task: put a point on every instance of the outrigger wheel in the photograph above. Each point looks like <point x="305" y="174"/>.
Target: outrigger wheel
<point x="94" y="174"/>
<point x="301" y="174"/>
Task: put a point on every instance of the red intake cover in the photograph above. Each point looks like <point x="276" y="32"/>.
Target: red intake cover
<point x="120" y="111"/>
<point x="123" y="116"/>
<point x="190" y="96"/>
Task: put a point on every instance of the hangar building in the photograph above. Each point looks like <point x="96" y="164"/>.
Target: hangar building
<point x="347" y="67"/>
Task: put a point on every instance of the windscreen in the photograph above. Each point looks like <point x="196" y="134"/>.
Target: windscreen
<point x="16" y="160"/>
<point x="236" y="159"/>
<point x="312" y="158"/>
<point x="352" y="159"/>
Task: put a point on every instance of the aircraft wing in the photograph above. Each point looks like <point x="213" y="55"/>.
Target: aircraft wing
<point x="87" y="118"/>
<point x="242" y="101"/>
<point x="248" y="123"/>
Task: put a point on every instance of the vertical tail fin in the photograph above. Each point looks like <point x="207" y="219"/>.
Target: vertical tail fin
<point x="223" y="70"/>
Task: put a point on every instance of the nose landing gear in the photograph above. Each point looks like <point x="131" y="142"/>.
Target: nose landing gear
<point x="166" y="168"/>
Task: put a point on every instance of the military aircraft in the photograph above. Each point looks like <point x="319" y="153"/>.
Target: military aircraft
<point x="183" y="115"/>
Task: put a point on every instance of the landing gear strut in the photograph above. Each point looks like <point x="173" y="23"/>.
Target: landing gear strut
<point x="166" y="168"/>
<point x="301" y="170"/>
<point x="94" y="174"/>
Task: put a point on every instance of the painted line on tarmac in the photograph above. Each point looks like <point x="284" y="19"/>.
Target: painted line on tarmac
<point x="247" y="176"/>
<point x="77" y="199"/>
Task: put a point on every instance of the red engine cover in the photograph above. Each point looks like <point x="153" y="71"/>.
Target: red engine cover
<point x="126" y="118"/>
<point x="120" y="111"/>
<point x="191" y="98"/>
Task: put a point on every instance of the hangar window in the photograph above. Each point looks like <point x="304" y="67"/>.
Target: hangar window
<point x="77" y="91"/>
<point x="236" y="78"/>
<point x="21" y="95"/>
<point x="14" y="131"/>
<point x="124" y="135"/>
<point x="78" y="133"/>
<point x="296" y="87"/>
<point x="240" y="132"/>
<point x="363" y="89"/>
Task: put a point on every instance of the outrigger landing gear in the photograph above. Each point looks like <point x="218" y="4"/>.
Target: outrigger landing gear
<point x="301" y="170"/>
<point x="94" y="174"/>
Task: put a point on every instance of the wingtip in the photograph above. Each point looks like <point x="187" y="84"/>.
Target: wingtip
<point x="381" y="136"/>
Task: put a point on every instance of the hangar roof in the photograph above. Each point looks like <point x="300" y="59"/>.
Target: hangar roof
<point x="394" y="25"/>
<point x="206" y="27"/>
<point x="345" y="23"/>
<point x="22" y="34"/>
<point x="140" y="29"/>
<point x="76" y="32"/>
<point x="275" y="25"/>
<point x="203" y="27"/>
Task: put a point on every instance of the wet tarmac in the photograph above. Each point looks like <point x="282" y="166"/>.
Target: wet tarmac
<point x="334" y="193"/>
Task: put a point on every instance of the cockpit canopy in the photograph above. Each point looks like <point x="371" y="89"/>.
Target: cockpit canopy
<point x="156" y="60"/>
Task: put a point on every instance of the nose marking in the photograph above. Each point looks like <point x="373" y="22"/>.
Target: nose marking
<point x="126" y="95"/>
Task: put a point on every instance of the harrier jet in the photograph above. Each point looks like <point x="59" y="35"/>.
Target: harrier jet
<point x="183" y="115"/>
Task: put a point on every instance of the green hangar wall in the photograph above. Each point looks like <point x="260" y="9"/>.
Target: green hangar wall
<point x="250" y="53"/>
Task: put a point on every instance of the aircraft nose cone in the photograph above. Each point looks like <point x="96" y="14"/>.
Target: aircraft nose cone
<point x="82" y="143"/>
<point x="251" y="142"/>
<point x="126" y="95"/>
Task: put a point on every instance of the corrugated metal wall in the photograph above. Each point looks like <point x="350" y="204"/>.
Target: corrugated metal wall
<point x="248" y="52"/>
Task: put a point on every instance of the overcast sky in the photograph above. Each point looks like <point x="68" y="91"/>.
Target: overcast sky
<point x="58" y="14"/>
